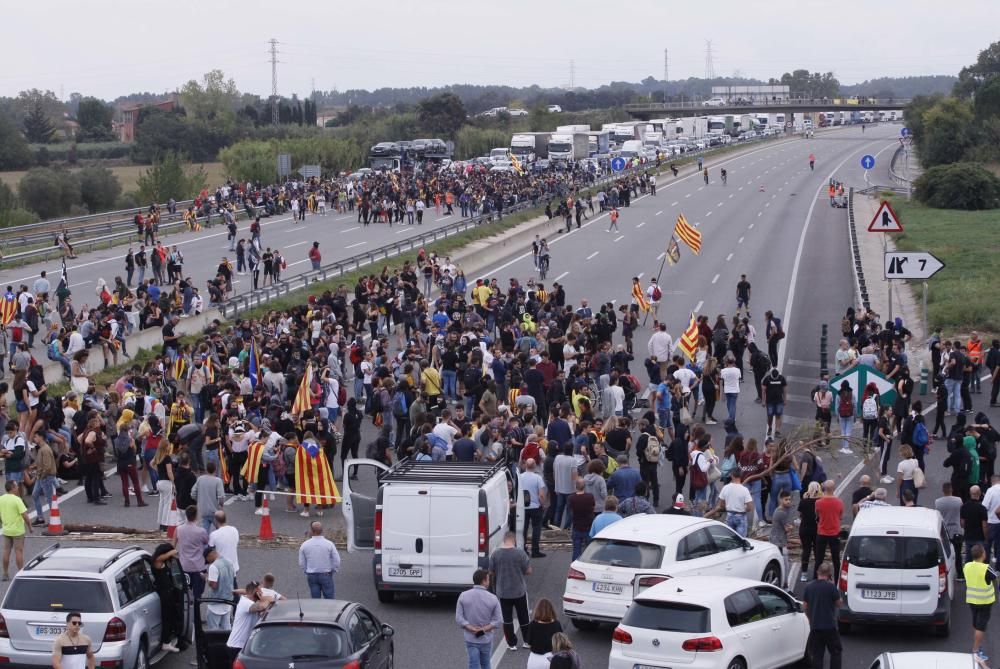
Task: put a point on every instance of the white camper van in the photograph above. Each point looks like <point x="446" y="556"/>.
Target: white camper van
<point x="430" y="524"/>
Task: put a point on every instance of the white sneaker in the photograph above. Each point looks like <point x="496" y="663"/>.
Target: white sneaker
<point x="846" y="451"/>
<point x="304" y="514"/>
<point x="886" y="479"/>
<point x="170" y="648"/>
<point x="319" y="512"/>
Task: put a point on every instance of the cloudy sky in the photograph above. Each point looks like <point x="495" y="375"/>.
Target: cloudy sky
<point x="113" y="47"/>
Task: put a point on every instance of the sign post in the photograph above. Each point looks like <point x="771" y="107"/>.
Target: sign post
<point x="617" y="164"/>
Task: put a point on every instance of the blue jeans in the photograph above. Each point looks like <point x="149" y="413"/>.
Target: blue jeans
<point x="43" y="490"/>
<point x="738" y="522"/>
<point x="992" y="541"/>
<point x="731" y="404"/>
<point x="208" y="522"/>
<point x="199" y="412"/>
<point x="320" y="585"/>
<point x="479" y="654"/>
<point x="663" y="418"/>
<point x="580" y="539"/>
<point x="557" y="515"/>
<point x="754" y="488"/>
<point x="449" y="379"/>
<point x="779" y="481"/>
<point x="954" y="387"/>
<point x="700" y="495"/>
<point x="64" y="361"/>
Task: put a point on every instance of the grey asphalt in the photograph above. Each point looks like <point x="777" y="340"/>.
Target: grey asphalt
<point x="745" y="231"/>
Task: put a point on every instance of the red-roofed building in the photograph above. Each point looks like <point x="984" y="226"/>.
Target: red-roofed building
<point x="125" y="126"/>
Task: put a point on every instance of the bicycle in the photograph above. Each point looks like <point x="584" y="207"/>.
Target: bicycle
<point x="724" y="175"/>
<point x="543" y="266"/>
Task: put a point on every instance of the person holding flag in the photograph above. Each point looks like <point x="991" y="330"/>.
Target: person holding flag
<point x="653" y="296"/>
<point x="314" y="483"/>
<point x="638" y="296"/>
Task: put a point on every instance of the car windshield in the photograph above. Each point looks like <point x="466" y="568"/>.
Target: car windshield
<point x="58" y="594"/>
<point x="298" y="641"/>
<point x="667" y="617"/>
<point x="894" y="552"/>
<point x="629" y="554"/>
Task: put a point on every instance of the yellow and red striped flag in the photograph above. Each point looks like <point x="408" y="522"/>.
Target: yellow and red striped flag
<point x="688" y="342"/>
<point x="516" y="164"/>
<point x="251" y="468"/>
<point x="303" y="398"/>
<point x="639" y="296"/>
<point x="688" y="234"/>
<point x="224" y="467"/>
<point x="314" y="482"/>
<point x="8" y="308"/>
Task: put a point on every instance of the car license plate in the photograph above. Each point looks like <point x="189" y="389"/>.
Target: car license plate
<point x="48" y="630"/>
<point x="413" y="572"/>
<point x="610" y="588"/>
<point x="878" y="594"/>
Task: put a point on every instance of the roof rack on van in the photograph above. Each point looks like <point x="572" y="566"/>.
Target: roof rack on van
<point x="111" y="560"/>
<point x="426" y="471"/>
<point x="37" y="560"/>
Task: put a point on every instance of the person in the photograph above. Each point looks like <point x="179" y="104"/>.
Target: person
<point x="610" y="515"/>
<point x="563" y="655"/>
<point x="736" y="501"/>
<point x="731" y="377"/>
<point x="862" y="492"/>
<point x="623" y="481"/>
<point x="45" y="475"/>
<point x="950" y="508"/>
<point x="219" y="585"/>
<point x="991" y="500"/>
<point x="829" y="509"/>
<point x="191" y="540"/>
<point x="532" y="483"/>
<point x="705" y="174"/>
<point x="807" y="525"/>
<point x="210" y="494"/>
<point x="774" y="388"/>
<point x="974" y="522"/>
<point x="637" y="503"/>
<point x="724" y="175"/>
<point x="248" y="609"/>
<point x="319" y="559"/>
<point x="171" y="598"/>
<point x="581" y="506"/>
<point x="773" y="333"/>
<point x="508" y="567"/>
<point x="613" y="217"/>
<point x="73" y="649"/>
<point x="821" y="599"/>
<point x="14" y="518"/>
<point x="478" y="613"/>
<point x="544" y="624"/>
<point x="812" y="162"/>
<point x="905" y="472"/>
<point x="226" y="539"/>
<point x="781" y="524"/>
<point x="743" y="296"/>
<point x="677" y="508"/>
<point x="980" y="594"/>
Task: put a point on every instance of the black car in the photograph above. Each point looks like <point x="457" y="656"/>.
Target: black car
<point x="307" y="634"/>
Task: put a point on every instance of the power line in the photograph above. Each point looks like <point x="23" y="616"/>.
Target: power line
<point x="709" y="65"/>
<point x="666" y="70"/>
<point x="572" y="74"/>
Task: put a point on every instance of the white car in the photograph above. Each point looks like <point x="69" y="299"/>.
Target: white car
<point x="924" y="660"/>
<point x="715" y="102"/>
<point x="706" y="622"/>
<point x="517" y="112"/>
<point x="640" y="551"/>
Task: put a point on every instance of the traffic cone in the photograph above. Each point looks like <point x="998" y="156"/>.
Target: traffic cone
<point x="55" y="528"/>
<point x="172" y="519"/>
<point x="266" y="533"/>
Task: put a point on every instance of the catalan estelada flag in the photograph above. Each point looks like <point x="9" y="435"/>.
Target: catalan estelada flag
<point x="209" y="371"/>
<point x="8" y="308"/>
<point x="253" y="367"/>
<point x="303" y="398"/>
<point x="673" y="251"/>
<point x="255" y="454"/>
<point x="688" y="234"/>
<point x="639" y="296"/>
<point x="179" y="367"/>
<point x="688" y="343"/>
<point x="314" y="482"/>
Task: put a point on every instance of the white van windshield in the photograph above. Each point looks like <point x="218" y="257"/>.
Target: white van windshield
<point x="894" y="552"/>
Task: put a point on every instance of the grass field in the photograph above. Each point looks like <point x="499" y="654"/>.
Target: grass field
<point x="128" y="174"/>
<point x="963" y="295"/>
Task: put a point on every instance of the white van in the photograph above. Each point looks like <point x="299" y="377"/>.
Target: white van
<point x="898" y="569"/>
<point x="430" y="524"/>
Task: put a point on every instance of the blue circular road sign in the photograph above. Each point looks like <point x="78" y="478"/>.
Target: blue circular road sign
<point x="905" y="132"/>
<point x="868" y="161"/>
<point x="618" y="164"/>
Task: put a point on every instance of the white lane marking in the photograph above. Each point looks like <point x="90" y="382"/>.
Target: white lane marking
<point x="715" y="278"/>
<point x="688" y="195"/>
<point x="559" y="278"/>
<point x="592" y="255"/>
<point x="729" y="257"/>
<point x="619" y="238"/>
<point x="296" y="244"/>
<point x="660" y="257"/>
<point x="697" y="307"/>
<point x="751" y="227"/>
<point x="740" y="241"/>
<point x="719" y="205"/>
<point x="299" y="262"/>
<point x="766" y="204"/>
<point x="82" y="283"/>
<point x="701" y="187"/>
<point x="661" y="211"/>
<point x="356" y="227"/>
<point x="708" y="214"/>
<point x="781" y="188"/>
<point x="399" y="232"/>
<point x="639" y="276"/>
<point x="353" y="245"/>
<point x="640" y="225"/>
<point x="673" y="204"/>
<point x="773" y="196"/>
<point x="759" y="214"/>
<point x="740" y="188"/>
<point x="731" y="195"/>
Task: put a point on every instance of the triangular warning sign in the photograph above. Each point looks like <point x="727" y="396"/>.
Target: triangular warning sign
<point x="885" y="220"/>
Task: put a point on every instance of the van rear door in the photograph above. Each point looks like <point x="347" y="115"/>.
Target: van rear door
<point x="924" y="569"/>
<point x="406" y="543"/>
<point x="455" y="514"/>
<point x="873" y="579"/>
<point x="360" y="489"/>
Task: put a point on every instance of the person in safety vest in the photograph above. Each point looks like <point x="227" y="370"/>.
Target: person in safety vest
<point x="980" y="593"/>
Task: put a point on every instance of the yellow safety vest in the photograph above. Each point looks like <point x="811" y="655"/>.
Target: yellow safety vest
<point x="977" y="590"/>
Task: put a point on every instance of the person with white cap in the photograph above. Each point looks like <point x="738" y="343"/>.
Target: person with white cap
<point x="677" y="509"/>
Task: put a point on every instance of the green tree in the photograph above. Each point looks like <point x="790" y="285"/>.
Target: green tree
<point x="986" y="67"/>
<point x="948" y="132"/>
<point x="442" y="115"/>
<point x="811" y="84"/>
<point x="987" y="102"/>
<point x="94" y="118"/>
<point x="958" y="186"/>
<point x="15" y="216"/>
<point x="472" y="142"/>
<point x="99" y="188"/>
<point x="250" y="160"/>
<point x="914" y="114"/>
<point x="49" y="192"/>
<point x="170" y="177"/>
<point x="211" y="99"/>
<point x="15" y="154"/>
<point x="158" y="132"/>
<point x="7" y="198"/>
<point x="38" y="127"/>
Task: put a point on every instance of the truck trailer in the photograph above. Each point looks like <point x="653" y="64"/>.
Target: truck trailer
<point x="530" y="146"/>
<point x="565" y="147"/>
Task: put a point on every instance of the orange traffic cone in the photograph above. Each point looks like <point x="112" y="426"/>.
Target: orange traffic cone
<point x="266" y="533"/>
<point x="55" y="528"/>
<point x="172" y="519"/>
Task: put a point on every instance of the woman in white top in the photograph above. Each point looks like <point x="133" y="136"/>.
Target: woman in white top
<point x="332" y="390"/>
<point x="905" y="471"/>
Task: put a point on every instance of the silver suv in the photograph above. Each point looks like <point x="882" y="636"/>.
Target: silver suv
<point x="112" y="588"/>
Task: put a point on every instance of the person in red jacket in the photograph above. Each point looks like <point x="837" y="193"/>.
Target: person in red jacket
<point x="314" y="255"/>
<point x="829" y="510"/>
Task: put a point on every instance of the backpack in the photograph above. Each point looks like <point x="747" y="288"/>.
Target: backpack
<point x="16" y="333"/>
<point x="845" y="408"/>
<point x="779" y="331"/>
<point x="819" y="473"/>
<point x="657" y="294"/>
<point x="341" y="394"/>
<point x="699" y="479"/>
<point x="122" y="444"/>
<point x="399" y="405"/>
<point x="653" y="449"/>
<point x="375" y="406"/>
<point x="869" y="408"/>
<point x="720" y="336"/>
<point x="920" y="436"/>
<point x="356" y="356"/>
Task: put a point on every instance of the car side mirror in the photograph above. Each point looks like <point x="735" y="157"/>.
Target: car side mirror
<point x="387" y="631"/>
<point x="797" y="606"/>
<point x="747" y="546"/>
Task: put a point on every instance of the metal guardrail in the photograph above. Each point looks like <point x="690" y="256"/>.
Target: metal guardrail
<point x="859" y="272"/>
<point x="901" y="152"/>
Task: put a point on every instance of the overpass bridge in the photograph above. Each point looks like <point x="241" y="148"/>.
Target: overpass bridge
<point x="646" y="110"/>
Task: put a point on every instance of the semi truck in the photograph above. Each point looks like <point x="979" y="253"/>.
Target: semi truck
<point x="569" y="147"/>
<point x="693" y="127"/>
<point x="571" y="129"/>
<point x="716" y="124"/>
<point x="620" y="132"/>
<point x="386" y="156"/>
<point x="600" y="142"/>
<point x="530" y="146"/>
